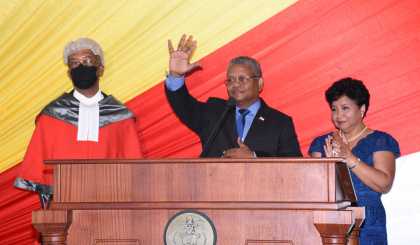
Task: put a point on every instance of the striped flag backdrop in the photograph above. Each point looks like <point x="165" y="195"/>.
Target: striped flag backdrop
<point x="303" y="46"/>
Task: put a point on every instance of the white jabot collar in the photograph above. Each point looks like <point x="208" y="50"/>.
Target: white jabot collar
<point x="88" y="124"/>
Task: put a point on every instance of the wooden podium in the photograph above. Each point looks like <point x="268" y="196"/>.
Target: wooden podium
<point x="263" y="201"/>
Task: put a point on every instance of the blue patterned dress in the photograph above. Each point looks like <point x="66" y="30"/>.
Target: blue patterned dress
<point x="373" y="230"/>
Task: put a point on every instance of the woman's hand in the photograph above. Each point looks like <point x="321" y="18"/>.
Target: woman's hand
<point x="328" y="148"/>
<point x="337" y="147"/>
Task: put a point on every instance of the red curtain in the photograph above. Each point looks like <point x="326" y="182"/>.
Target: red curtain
<point x="302" y="51"/>
<point x="16" y="208"/>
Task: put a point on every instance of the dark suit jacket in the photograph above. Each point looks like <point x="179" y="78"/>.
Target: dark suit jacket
<point x="272" y="133"/>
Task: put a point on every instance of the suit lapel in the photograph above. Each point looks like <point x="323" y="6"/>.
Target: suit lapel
<point x="258" y="122"/>
<point x="230" y="127"/>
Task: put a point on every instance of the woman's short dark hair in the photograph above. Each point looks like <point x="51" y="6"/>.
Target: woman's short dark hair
<point x="352" y="88"/>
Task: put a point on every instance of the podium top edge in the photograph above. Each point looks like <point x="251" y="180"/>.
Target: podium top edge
<point x="196" y="160"/>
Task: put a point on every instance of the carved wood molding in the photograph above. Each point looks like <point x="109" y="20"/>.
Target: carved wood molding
<point x="334" y="226"/>
<point x="53" y="225"/>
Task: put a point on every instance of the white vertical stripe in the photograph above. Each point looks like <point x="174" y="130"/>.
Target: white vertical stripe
<point x="402" y="202"/>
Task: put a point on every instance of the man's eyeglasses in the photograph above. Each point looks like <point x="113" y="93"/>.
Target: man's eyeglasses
<point x="240" y="80"/>
<point x="74" y="64"/>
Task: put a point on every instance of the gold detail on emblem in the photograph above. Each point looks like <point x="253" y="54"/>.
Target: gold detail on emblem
<point x="190" y="228"/>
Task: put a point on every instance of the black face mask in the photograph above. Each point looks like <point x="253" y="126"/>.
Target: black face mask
<point x="84" y="77"/>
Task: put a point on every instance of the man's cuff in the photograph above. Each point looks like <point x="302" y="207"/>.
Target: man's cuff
<point x="173" y="83"/>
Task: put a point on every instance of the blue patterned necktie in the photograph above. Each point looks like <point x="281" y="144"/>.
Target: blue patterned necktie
<point x="240" y="123"/>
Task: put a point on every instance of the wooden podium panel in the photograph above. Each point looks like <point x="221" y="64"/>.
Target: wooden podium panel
<point x="147" y="226"/>
<point x="250" y="201"/>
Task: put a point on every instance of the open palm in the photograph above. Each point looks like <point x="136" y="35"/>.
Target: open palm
<point x="179" y="61"/>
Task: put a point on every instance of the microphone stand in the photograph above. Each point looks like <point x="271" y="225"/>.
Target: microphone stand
<point x="230" y="104"/>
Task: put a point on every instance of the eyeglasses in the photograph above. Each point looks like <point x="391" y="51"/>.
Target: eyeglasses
<point x="74" y="64"/>
<point x="240" y="80"/>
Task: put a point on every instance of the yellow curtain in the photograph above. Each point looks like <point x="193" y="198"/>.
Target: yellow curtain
<point x="133" y="35"/>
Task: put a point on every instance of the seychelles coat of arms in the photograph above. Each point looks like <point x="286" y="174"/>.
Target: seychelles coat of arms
<point x="190" y="227"/>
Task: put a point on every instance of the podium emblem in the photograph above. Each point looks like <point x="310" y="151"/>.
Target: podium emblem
<point x="190" y="227"/>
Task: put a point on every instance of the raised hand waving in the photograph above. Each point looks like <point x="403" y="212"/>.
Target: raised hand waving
<point x="179" y="61"/>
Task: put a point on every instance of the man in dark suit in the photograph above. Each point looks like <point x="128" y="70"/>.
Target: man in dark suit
<point x="252" y="129"/>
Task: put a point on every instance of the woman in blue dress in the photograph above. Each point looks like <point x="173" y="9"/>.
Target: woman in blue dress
<point x="370" y="154"/>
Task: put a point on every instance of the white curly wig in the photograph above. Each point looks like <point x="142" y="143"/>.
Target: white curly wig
<point x="80" y="44"/>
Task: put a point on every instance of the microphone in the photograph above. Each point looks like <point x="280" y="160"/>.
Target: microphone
<point x="230" y="104"/>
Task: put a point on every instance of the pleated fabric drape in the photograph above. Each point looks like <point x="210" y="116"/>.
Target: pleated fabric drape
<point x="303" y="47"/>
